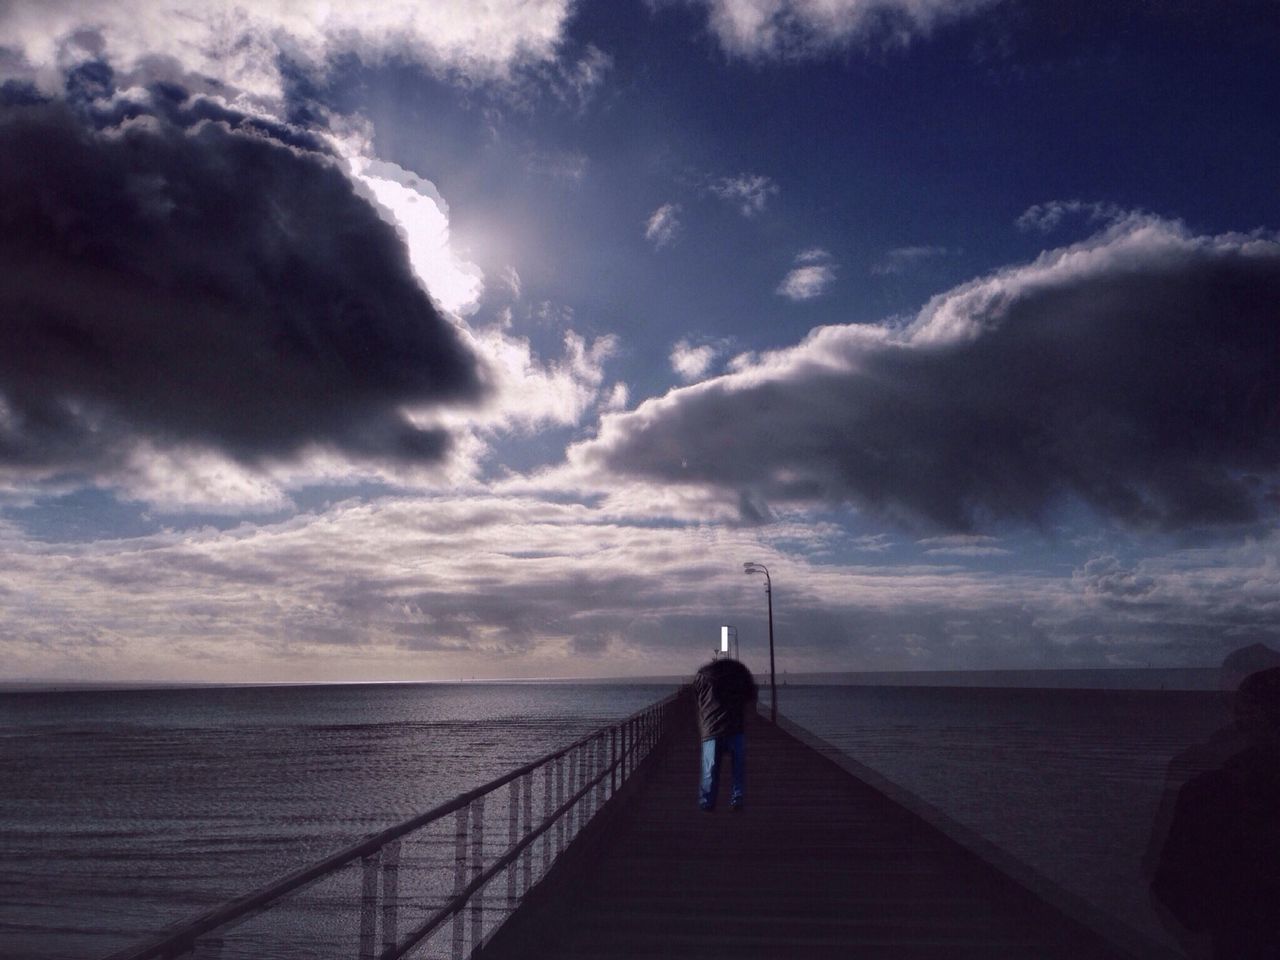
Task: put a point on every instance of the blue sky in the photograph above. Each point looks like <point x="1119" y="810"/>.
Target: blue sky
<point x="413" y="341"/>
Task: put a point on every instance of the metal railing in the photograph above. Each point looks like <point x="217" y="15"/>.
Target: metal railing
<point x="428" y="887"/>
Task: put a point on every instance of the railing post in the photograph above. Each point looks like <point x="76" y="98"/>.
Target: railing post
<point x="477" y="868"/>
<point x="613" y="760"/>
<point x="459" y="878"/>
<point x="528" y="828"/>
<point x="390" y="894"/>
<point x="369" y="905"/>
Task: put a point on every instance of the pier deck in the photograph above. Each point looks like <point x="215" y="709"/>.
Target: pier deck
<point x="819" y="864"/>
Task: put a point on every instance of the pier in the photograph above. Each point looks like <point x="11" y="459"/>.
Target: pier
<point x="600" y="851"/>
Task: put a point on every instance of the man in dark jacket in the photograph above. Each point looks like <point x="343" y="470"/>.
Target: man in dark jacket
<point x="723" y="689"/>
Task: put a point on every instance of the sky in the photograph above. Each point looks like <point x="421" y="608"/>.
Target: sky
<point x="427" y="341"/>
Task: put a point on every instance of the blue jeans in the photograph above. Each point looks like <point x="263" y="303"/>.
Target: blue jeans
<point x="735" y="745"/>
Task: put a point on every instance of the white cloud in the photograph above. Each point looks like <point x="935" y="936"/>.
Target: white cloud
<point x="750" y="191"/>
<point x="528" y="393"/>
<point x="813" y="274"/>
<point x="580" y="81"/>
<point x="663" y="225"/>
<point x="240" y="44"/>
<point x="617" y="398"/>
<point x="903" y="258"/>
<point x="692" y="362"/>
<point x="1047" y="217"/>
<point x="809" y="28"/>
<point x="558" y="165"/>
<point x="511" y="278"/>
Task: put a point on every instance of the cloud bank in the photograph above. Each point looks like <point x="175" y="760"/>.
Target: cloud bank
<point x="239" y="45"/>
<point x="587" y="591"/>
<point x="1137" y="373"/>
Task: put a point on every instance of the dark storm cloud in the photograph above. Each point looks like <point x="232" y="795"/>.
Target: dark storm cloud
<point x="1138" y="372"/>
<point x="180" y="273"/>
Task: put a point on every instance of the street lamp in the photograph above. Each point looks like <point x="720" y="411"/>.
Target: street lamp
<point x="752" y="567"/>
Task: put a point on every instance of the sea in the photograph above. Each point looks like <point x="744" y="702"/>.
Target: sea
<point x="123" y="811"/>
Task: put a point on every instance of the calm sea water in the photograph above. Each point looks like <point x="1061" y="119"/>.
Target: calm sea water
<point x="123" y="811"/>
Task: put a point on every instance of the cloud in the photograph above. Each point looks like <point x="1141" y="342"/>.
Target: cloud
<point x="1047" y="217"/>
<point x="511" y="279"/>
<point x="558" y="165"/>
<point x="793" y="29"/>
<point x="811" y="276"/>
<point x="692" y="362"/>
<point x="618" y="397"/>
<point x="184" y="277"/>
<point x="526" y="393"/>
<point x="963" y="545"/>
<point x="1137" y="373"/>
<point x="663" y="225"/>
<point x="750" y="191"/>
<point x="242" y="46"/>
<point x="580" y="80"/>
<point x="904" y="258"/>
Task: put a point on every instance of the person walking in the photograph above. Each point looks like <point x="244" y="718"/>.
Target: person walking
<point x="723" y="689"/>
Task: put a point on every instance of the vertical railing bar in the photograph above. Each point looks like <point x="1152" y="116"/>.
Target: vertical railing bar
<point x="613" y="760"/>
<point x="584" y="805"/>
<point x="459" y="878"/>
<point x="568" y="792"/>
<point x="528" y="828"/>
<point x="546" y="812"/>
<point x="390" y="894"/>
<point x="477" y="868"/>
<point x="513" y="834"/>
<point x="597" y="773"/>
<point x="369" y="905"/>
<point x="559" y="804"/>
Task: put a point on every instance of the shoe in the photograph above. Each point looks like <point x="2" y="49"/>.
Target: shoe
<point x="736" y="805"/>
<point x="706" y="809"/>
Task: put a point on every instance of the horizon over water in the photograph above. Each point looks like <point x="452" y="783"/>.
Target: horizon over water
<point x="1107" y="678"/>
<point x="125" y="810"/>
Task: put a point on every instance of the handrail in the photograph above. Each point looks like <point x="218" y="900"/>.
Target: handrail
<point x="181" y="938"/>
<point x="453" y="905"/>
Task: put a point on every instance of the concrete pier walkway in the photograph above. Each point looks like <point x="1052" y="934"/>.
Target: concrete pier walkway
<point x="819" y="864"/>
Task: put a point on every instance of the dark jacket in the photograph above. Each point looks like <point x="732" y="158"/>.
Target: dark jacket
<point x="722" y="689"/>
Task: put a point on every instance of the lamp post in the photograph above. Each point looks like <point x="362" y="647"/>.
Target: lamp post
<point x="752" y="567"/>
